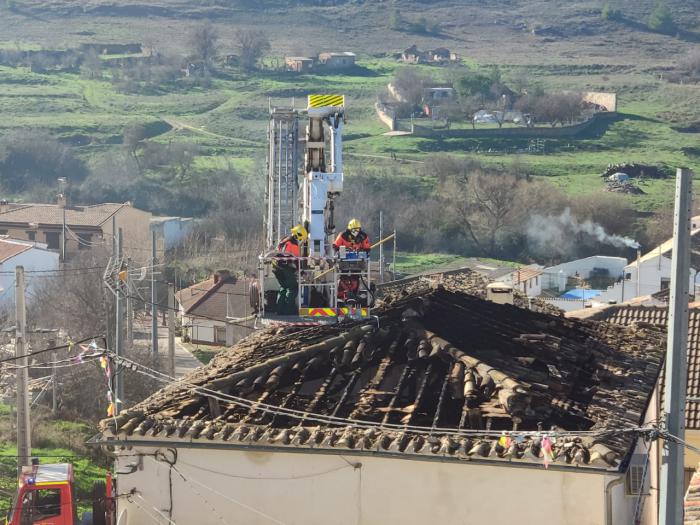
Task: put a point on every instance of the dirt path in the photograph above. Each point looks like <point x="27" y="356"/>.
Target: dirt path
<point x="179" y="125"/>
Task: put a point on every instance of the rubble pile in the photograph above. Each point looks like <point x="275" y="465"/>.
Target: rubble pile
<point x="436" y="372"/>
<point x="637" y="171"/>
<point x="464" y="281"/>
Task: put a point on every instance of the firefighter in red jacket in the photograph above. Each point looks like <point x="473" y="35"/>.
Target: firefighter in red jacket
<point x="285" y="268"/>
<point x="354" y="239"/>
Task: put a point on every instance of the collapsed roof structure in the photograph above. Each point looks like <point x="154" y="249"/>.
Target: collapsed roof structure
<point x="436" y="372"/>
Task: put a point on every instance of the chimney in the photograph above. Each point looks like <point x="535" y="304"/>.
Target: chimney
<point x="222" y="276"/>
<point x="4" y="206"/>
<point x="62" y="200"/>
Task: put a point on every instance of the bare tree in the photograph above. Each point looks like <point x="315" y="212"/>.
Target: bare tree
<point x="410" y="82"/>
<point x="252" y="46"/>
<point x="203" y="43"/>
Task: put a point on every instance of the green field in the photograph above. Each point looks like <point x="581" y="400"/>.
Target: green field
<point x="228" y="121"/>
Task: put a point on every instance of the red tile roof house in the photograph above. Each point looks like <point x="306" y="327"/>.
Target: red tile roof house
<point x="444" y="408"/>
<point x="216" y="311"/>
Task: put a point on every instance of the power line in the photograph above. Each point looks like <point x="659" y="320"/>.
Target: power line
<point x="59" y="347"/>
<point x="334" y="420"/>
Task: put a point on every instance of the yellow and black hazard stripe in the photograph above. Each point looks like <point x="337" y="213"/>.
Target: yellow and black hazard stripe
<point x="321" y="101"/>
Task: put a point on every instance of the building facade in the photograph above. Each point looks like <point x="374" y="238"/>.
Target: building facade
<point x="86" y="227"/>
<point x="32" y="256"/>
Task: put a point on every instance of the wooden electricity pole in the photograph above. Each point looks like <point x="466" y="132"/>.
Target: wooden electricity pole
<point x="24" y="446"/>
<point x="171" y="329"/>
<point x="154" y="298"/>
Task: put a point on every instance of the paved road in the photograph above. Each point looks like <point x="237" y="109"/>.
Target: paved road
<point x="185" y="362"/>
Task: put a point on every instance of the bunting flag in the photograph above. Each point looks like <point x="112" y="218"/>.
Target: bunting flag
<point x="547" y="454"/>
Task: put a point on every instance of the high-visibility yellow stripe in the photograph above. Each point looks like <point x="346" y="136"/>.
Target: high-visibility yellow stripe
<point x="331" y="312"/>
<point x="320" y="101"/>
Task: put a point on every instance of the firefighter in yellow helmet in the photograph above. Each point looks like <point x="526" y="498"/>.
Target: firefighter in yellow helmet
<point x="353" y="238"/>
<point x="285" y="268"/>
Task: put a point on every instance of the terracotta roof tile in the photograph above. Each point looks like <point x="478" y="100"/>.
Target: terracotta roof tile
<point x="52" y="214"/>
<point x="10" y="248"/>
<point x="445" y="362"/>
<point x="658" y="315"/>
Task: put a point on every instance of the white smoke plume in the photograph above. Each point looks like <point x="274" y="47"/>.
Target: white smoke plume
<point x="561" y="234"/>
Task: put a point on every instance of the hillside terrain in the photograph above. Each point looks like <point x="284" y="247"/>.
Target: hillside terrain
<point x="556" y="45"/>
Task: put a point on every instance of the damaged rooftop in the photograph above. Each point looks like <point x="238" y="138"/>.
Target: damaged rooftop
<point x="437" y="373"/>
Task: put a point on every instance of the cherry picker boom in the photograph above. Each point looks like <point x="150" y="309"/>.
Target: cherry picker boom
<point x="302" y="189"/>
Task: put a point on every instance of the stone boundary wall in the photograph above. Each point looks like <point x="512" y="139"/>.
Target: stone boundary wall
<point x="385" y="117"/>
<point x="538" y="132"/>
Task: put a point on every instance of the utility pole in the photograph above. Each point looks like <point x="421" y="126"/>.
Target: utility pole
<point x="393" y="258"/>
<point x="381" y="248"/>
<point x="54" y="380"/>
<point x="119" y="327"/>
<point x="154" y="298"/>
<point x="171" y="328"/>
<point x="129" y="308"/>
<point x="672" y="471"/>
<point x="24" y="445"/>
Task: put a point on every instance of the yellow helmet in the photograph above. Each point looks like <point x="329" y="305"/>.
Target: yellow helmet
<point x="300" y="233"/>
<point x="354" y="224"/>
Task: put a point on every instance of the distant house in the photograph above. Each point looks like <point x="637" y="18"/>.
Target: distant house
<point x="434" y="97"/>
<point x="171" y="230"/>
<point x="299" y="64"/>
<point x="413" y="55"/>
<point x="87" y="227"/>
<point x="212" y="311"/>
<point x="555" y="277"/>
<point x="32" y="256"/>
<point x="113" y="49"/>
<point x="527" y="280"/>
<point x="342" y="60"/>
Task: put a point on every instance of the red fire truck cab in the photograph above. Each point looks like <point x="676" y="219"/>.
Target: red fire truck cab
<point x="46" y="496"/>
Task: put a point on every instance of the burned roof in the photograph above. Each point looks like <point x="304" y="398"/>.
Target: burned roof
<point x="437" y="373"/>
<point x="658" y="316"/>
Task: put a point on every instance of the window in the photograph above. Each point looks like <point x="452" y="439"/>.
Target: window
<point x="40" y="504"/>
<point x="220" y="336"/>
<point x="53" y="240"/>
<point x="665" y="283"/>
<point x="31" y="235"/>
<point x="84" y="241"/>
<point x="637" y="481"/>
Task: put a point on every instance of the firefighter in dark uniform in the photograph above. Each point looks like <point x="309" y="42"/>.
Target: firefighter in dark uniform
<point x="285" y="268"/>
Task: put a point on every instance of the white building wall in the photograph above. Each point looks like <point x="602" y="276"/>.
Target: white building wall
<point x="33" y="259"/>
<point x="583" y="267"/>
<point x="645" y="281"/>
<point x="254" y="487"/>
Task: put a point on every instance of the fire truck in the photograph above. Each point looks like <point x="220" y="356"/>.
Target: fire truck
<point x="46" y="495"/>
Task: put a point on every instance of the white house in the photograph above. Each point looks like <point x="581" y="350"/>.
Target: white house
<point x="211" y="311"/>
<point x="32" y="256"/>
<point x="172" y="230"/>
<point x="651" y="273"/>
<point x="526" y="279"/>
<point x="446" y="408"/>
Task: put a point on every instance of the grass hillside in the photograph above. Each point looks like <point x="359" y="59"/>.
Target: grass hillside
<point x="558" y="45"/>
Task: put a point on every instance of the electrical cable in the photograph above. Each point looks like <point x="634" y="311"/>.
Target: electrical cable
<point x="334" y="420"/>
<point x="60" y="347"/>
<point x="240" y="503"/>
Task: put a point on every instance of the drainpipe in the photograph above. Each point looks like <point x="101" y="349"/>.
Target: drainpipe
<point x="608" y="499"/>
